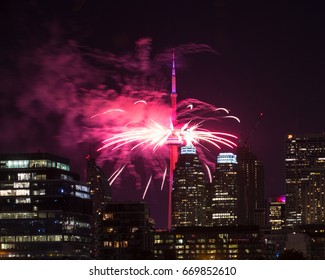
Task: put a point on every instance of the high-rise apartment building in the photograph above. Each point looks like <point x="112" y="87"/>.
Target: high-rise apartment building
<point x="251" y="201"/>
<point x="45" y="212"/>
<point x="101" y="195"/>
<point x="100" y="189"/>
<point x="189" y="193"/>
<point x="305" y="179"/>
<point x="223" y="198"/>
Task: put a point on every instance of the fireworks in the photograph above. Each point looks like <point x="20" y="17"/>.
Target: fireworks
<point x="154" y="135"/>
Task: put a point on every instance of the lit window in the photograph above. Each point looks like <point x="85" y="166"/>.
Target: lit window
<point x="110" y="229"/>
<point x="14" y="192"/>
<point x="21" y="185"/>
<point x="134" y="229"/>
<point x="82" y="195"/>
<point x="22" y="192"/>
<point x="23" y="176"/>
<point x="22" y="200"/>
<point x="7" y="246"/>
<point x="108" y="216"/>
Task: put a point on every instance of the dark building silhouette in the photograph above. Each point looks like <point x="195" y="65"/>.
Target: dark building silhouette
<point x="223" y="197"/>
<point x="189" y="192"/>
<point x="45" y="212"/>
<point x="316" y="233"/>
<point x="126" y="228"/>
<point x="100" y="189"/>
<point x="101" y="195"/>
<point x="305" y="179"/>
<point x="250" y="180"/>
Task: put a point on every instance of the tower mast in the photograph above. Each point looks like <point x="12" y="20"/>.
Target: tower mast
<point x="172" y="146"/>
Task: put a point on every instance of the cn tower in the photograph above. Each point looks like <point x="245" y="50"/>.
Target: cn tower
<point x="173" y="142"/>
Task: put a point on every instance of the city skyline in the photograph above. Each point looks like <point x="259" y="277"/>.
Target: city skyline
<point x="45" y="206"/>
<point x="270" y="59"/>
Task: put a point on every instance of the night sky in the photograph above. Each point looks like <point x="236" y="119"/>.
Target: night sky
<point x="269" y="58"/>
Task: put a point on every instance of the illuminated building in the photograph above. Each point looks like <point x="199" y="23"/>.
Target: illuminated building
<point x="126" y="228"/>
<point x="189" y="193"/>
<point x="277" y="212"/>
<point x="45" y="212"/>
<point x="250" y="180"/>
<point x="209" y="243"/>
<point x="101" y="195"/>
<point x="224" y="194"/>
<point x="305" y="179"/>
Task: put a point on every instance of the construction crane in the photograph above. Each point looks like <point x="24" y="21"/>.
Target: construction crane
<point x="243" y="141"/>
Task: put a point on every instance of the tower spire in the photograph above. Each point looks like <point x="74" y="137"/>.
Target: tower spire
<point x="173" y="94"/>
<point x="173" y="74"/>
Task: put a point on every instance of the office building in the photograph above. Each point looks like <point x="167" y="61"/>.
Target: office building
<point x="45" y="212"/>
<point x="189" y="192"/>
<point x="223" y="198"/>
<point x="305" y="179"/>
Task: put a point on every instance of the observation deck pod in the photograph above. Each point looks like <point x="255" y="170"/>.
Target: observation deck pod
<point x="174" y="140"/>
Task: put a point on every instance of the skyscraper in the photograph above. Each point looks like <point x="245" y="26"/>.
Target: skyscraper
<point x="251" y="202"/>
<point x="45" y="212"/>
<point x="189" y="193"/>
<point x="305" y="179"/>
<point x="223" y="198"/>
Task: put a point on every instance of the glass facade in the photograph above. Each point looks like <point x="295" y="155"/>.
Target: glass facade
<point x="189" y="192"/>
<point x="250" y="180"/>
<point x="305" y="179"/>
<point x="41" y="215"/>
<point x="224" y="192"/>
